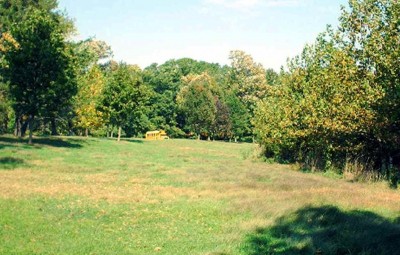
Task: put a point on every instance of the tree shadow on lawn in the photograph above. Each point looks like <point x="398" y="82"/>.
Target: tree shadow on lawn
<point x="9" y="163"/>
<point x="132" y="140"/>
<point x="327" y="230"/>
<point x="60" y="142"/>
<point x="48" y="141"/>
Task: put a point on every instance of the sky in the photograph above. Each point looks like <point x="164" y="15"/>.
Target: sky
<point x="143" y="32"/>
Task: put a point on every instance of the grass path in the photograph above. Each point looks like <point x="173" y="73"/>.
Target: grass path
<point x="97" y="196"/>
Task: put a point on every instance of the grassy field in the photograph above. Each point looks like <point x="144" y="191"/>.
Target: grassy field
<point x="97" y="196"/>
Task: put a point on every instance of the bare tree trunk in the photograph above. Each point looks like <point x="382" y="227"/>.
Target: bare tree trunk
<point x="198" y="137"/>
<point x="70" y="128"/>
<point x="53" y="125"/>
<point x="30" y="122"/>
<point x="24" y="127"/>
<point x="17" y="131"/>
<point x="119" y="134"/>
<point x="86" y="132"/>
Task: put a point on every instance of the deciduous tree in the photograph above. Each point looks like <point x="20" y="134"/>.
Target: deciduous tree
<point x="91" y="87"/>
<point x="40" y="70"/>
<point x="123" y="96"/>
<point x="197" y="102"/>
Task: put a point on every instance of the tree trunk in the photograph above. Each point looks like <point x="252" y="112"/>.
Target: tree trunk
<point x="24" y="127"/>
<point x="235" y="139"/>
<point x="119" y="134"/>
<point x="70" y="128"/>
<point x="17" y="131"/>
<point x="86" y="132"/>
<point x="53" y="125"/>
<point x="6" y="120"/>
<point x="30" y="122"/>
<point x="198" y="137"/>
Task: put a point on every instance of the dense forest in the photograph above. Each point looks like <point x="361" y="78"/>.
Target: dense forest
<point x="333" y="107"/>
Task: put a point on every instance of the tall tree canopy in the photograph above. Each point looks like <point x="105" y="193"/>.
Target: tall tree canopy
<point x="91" y="87"/>
<point x="166" y="81"/>
<point x="124" y="95"/>
<point x="197" y="102"/>
<point x="40" y="70"/>
<point x="247" y="78"/>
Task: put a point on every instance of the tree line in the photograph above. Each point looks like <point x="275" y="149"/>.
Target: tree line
<point x="53" y="85"/>
<point x="337" y="105"/>
<point x="333" y="107"/>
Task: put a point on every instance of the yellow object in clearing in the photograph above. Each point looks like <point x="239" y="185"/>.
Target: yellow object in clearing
<point x="156" y="135"/>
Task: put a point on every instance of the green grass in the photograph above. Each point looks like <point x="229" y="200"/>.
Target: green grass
<point x="97" y="196"/>
<point x="327" y="230"/>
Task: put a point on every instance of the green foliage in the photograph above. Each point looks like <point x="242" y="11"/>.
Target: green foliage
<point x="337" y="103"/>
<point x="14" y="11"/>
<point x="271" y="76"/>
<point x="375" y="47"/>
<point x="138" y="123"/>
<point x="232" y="115"/>
<point x="167" y="80"/>
<point x="196" y="100"/>
<point x="40" y="69"/>
<point x="222" y="126"/>
<point x="6" y="111"/>
<point x="239" y="116"/>
<point x="248" y="82"/>
<point x="88" y="53"/>
<point x="91" y="86"/>
<point x="247" y="79"/>
<point x="125" y="98"/>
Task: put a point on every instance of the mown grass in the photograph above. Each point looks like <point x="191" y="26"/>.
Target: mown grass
<point x="97" y="196"/>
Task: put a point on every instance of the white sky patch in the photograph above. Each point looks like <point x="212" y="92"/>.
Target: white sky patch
<point x="245" y="5"/>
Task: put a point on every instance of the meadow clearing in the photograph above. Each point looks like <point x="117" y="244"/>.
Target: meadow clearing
<point x="98" y="196"/>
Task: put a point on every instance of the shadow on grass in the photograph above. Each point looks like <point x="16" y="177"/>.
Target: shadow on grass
<point x="132" y="140"/>
<point x="59" y="142"/>
<point x="327" y="230"/>
<point x="8" y="142"/>
<point x="48" y="141"/>
<point x="9" y="163"/>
